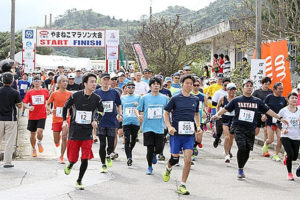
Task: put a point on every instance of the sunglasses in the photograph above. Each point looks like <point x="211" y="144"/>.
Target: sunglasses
<point x="130" y="87"/>
<point x="187" y="70"/>
<point x="114" y="79"/>
<point x="71" y="79"/>
<point x="177" y="78"/>
<point x="196" y="85"/>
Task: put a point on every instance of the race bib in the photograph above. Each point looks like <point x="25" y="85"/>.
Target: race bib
<point x="59" y="111"/>
<point x="108" y="106"/>
<point x="246" y="115"/>
<point x="155" y="113"/>
<point x="38" y="99"/>
<point x="24" y="86"/>
<point x="200" y="105"/>
<point x="83" y="117"/>
<point x="130" y="111"/>
<point x="274" y="120"/>
<point x="186" y="128"/>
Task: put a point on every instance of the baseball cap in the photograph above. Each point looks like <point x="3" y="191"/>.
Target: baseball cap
<point x="36" y="77"/>
<point x="231" y="86"/>
<point x="121" y="74"/>
<point x="186" y="67"/>
<point x="60" y="66"/>
<point x="71" y="75"/>
<point x="7" y="78"/>
<point x="220" y="76"/>
<point x="147" y="70"/>
<point x="105" y="75"/>
<point x="168" y="79"/>
<point x="130" y="83"/>
<point x="113" y="75"/>
<point x="247" y="81"/>
<point x="212" y="80"/>
<point x="180" y="71"/>
<point x="160" y="77"/>
<point x="177" y="74"/>
<point x="132" y="75"/>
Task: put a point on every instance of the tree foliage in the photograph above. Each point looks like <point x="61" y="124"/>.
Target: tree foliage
<point x="5" y="44"/>
<point x="163" y="42"/>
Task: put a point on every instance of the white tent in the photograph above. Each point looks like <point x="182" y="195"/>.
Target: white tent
<point x="52" y="62"/>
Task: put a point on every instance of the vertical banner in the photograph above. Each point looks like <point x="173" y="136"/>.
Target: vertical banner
<point x="258" y="68"/>
<point x="28" y="50"/>
<point x="281" y="65"/>
<point x="140" y="56"/>
<point x="112" y="50"/>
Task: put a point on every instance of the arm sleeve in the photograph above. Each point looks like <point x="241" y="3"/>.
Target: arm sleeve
<point x="68" y="105"/>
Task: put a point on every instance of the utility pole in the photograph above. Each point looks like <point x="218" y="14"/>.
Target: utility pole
<point x="45" y="21"/>
<point x="150" y="11"/>
<point x="258" y="28"/>
<point x="50" y="26"/>
<point x="126" y="44"/>
<point x="12" y="30"/>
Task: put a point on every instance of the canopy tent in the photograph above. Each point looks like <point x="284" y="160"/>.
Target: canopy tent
<point x="52" y="62"/>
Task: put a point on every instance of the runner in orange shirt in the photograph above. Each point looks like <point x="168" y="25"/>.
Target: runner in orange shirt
<point x="59" y="98"/>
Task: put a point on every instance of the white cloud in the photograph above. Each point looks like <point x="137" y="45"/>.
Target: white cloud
<point x="32" y="12"/>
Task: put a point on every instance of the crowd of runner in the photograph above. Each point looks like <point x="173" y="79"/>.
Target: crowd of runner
<point x="91" y="106"/>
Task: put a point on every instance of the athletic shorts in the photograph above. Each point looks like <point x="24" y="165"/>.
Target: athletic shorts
<point x="213" y="111"/>
<point x="74" y="146"/>
<point x="120" y="125"/>
<point x="106" y="131"/>
<point x="33" y="125"/>
<point x="244" y="137"/>
<point x="153" y="139"/>
<point x="228" y="122"/>
<point x="178" y="142"/>
<point x="57" y="127"/>
<point x="275" y="126"/>
<point x="260" y="124"/>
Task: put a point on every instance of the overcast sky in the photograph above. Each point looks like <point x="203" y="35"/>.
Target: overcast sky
<point x="32" y="12"/>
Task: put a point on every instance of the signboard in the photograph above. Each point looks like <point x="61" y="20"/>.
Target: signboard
<point x="70" y="38"/>
<point x="258" y="70"/>
<point x="138" y="51"/>
<point x="28" y="50"/>
<point x="112" y="50"/>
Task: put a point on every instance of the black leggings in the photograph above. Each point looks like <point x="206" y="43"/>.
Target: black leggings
<point x="151" y="151"/>
<point x="130" y="134"/>
<point x="242" y="157"/>
<point x="291" y="148"/>
<point x="219" y="128"/>
<point x="110" y="146"/>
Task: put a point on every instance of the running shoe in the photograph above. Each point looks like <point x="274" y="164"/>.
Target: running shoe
<point x="149" y="171"/>
<point x="216" y="142"/>
<point x="8" y="165"/>
<point x="267" y="154"/>
<point x="196" y="151"/>
<point x="61" y="160"/>
<point x="241" y="174"/>
<point x="79" y="186"/>
<point x="265" y="148"/>
<point x="161" y="157"/>
<point x="298" y="171"/>
<point x="104" y="169"/>
<point x="193" y="157"/>
<point x="154" y="161"/>
<point x="182" y="190"/>
<point x="167" y="175"/>
<point x="290" y="177"/>
<point x="34" y="154"/>
<point x="276" y="158"/>
<point x="109" y="161"/>
<point x="284" y="160"/>
<point x="68" y="169"/>
<point x="40" y="146"/>
<point x="129" y="161"/>
<point x="200" y="145"/>
<point x="227" y="159"/>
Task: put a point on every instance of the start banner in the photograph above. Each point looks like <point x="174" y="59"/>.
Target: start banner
<point x="70" y="38"/>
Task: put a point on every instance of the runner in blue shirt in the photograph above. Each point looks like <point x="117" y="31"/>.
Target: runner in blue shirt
<point x="152" y="106"/>
<point x="185" y="113"/>
<point x="131" y="124"/>
<point x="107" y="128"/>
<point x="23" y="86"/>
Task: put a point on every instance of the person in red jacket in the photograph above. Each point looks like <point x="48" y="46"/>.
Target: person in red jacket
<point x="35" y="101"/>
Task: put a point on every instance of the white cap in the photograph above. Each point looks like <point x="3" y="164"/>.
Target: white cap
<point x="132" y="75"/>
<point x="71" y="75"/>
<point x="113" y="75"/>
<point x="230" y="86"/>
<point x="212" y="80"/>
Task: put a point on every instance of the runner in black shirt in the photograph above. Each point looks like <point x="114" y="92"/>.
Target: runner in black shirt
<point x="72" y="86"/>
<point x="262" y="93"/>
<point x="244" y="122"/>
<point x="84" y="104"/>
<point x="276" y="102"/>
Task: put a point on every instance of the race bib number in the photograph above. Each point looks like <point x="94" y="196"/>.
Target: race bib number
<point x="108" y="106"/>
<point x="24" y="86"/>
<point x="246" y="115"/>
<point x="186" y="128"/>
<point x="130" y="112"/>
<point x="274" y="120"/>
<point x="38" y="100"/>
<point x="59" y="111"/>
<point x="83" y="117"/>
<point x="155" y="113"/>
